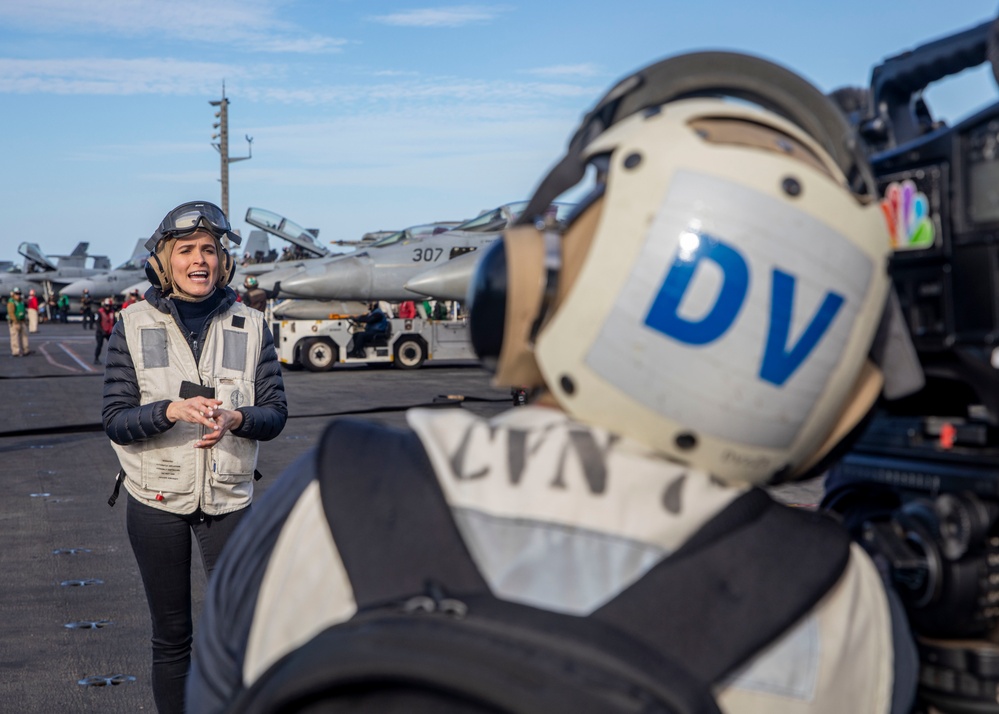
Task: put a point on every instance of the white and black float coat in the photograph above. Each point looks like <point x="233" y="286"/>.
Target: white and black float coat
<point x="556" y="515"/>
<point x="149" y="357"/>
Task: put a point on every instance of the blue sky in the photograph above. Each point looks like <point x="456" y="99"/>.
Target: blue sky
<point x="366" y="115"/>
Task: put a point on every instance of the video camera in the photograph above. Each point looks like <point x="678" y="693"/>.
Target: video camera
<point x="920" y="486"/>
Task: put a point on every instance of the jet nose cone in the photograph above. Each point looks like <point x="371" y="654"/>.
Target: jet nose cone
<point x="448" y="281"/>
<point x="75" y="290"/>
<point x="346" y="279"/>
<point x="268" y="281"/>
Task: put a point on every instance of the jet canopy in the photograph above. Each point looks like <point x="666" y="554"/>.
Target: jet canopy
<point x="499" y="218"/>
<point x="288" y="230"/>
<point x="429" y="229"/>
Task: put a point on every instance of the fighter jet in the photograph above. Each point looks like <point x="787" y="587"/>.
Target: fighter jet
<point x="382" y="271"/>
<point x="111" y="283"/>
<point x="13" y="277"/>
<point x="52" y="272"/>
<point x="272" y="281"/>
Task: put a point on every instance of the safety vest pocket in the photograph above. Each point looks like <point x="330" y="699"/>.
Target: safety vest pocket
<point x="234" y="459"/>
<point x="234" y="392"/>
<point x="167" y="471"/>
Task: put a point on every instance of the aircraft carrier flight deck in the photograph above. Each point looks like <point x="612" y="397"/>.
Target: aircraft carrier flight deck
<point x="75" y="625"/>
<point x="75" y="622"/>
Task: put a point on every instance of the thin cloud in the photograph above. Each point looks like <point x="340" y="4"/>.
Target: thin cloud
<point x="250" y="24"/>
<point x="566" y="70"/>
<point x="296" y="45"/>
<point x="266" y="83"/>
<point x="103" y="76"/>
<point x="395" y="73"/>
<point x="430" y="92"/>
<point x="455" y="16"/>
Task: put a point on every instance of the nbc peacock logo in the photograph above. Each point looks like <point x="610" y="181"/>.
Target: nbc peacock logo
<point x="907" y="211"/>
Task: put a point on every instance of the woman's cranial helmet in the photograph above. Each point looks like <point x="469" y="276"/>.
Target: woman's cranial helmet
<point x="717" y="295"/>
<point x="182" y="222"/>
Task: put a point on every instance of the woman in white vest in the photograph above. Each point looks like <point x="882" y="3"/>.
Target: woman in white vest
<point x="192" y="385"/>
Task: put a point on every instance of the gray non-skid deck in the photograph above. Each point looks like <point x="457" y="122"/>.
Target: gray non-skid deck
<point x="72" y="606"/>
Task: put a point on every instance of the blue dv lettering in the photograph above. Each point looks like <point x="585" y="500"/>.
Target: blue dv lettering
<point x="779" y="361"/>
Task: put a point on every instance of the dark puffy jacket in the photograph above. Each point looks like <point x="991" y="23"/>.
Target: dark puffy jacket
<point x="376" y="322"/>
<point x="126" y="421"/>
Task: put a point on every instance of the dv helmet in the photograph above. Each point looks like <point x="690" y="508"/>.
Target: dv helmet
<point x="717" y="295"/>
<point x="250" y="281"/>
<point x="182" y="222"/>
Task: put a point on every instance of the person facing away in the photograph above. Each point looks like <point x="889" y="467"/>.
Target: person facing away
<point x="17" y="322"/>
<point x="32" y="304"/>
<point x="63" y="306"/>
<point x="654" y="329"/>
<point x="255" y="297"/>
<point x="192" y="385"/>
<point x="106" y="316"/>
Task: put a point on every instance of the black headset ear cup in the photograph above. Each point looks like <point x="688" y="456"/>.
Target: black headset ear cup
<point x="487" y="303"/>
<point x="155" y="273"/>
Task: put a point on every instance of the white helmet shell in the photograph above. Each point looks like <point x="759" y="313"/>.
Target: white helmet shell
<point x="746" y="288"/>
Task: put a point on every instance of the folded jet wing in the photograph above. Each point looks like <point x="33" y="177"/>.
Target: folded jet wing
<point x="256" y="247"/>
<point x="112" y="282"/>
<point x="56" y="272"/>
<point x="39" y="261"/>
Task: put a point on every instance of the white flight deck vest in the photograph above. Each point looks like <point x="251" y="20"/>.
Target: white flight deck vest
<point x="518" y="489"/>
<point x="166" y="471"/>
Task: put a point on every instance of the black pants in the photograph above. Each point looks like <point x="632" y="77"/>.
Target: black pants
<point x="161" y="542"/>
<point x="362" y="340"/>
<point x="100" y="344"/>
<point x="88" y="320"/>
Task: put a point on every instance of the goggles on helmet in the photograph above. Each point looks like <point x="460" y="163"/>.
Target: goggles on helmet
<point x="186" y="218"/>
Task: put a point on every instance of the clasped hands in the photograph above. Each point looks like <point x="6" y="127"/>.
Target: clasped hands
<point x="207" y="412"/>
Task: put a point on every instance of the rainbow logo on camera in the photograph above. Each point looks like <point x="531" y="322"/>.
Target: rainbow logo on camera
<point x="907" y="211"/>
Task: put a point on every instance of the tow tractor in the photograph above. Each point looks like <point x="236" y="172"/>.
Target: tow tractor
<point x="318" y="345"/>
